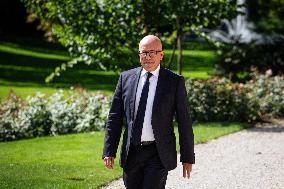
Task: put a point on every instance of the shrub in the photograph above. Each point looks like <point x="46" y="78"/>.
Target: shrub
<point x="11" y="126"/>
<point x="80" y="111"/>
<point x="77" y="111"/>
<point x="64" y="113"/>
<point x="220" y="100"/>
<point x="94" y="112"/>
<point x="270" y="93"/>
<point x="236" y="60"/>
<point x="36" y="116"/>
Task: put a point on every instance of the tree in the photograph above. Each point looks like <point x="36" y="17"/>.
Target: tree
<point x="191" y="16"/>
<point x="268" y="15"/>
<point x="173" y="18"/>
<point x="101" y="32"/>
<point x="107" y="32"/>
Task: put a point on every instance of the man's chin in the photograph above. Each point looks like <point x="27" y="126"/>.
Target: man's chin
<point x="149" y="67"/>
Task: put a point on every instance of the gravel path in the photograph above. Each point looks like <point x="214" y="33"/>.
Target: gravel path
<point x="250" y="159"/>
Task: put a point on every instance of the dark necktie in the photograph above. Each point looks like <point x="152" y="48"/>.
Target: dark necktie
<point x="138" y="124"/>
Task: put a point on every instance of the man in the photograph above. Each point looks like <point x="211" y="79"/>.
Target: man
<point x="148" y="97"/>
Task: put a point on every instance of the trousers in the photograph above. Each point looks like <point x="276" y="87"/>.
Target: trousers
<point x="144" y="169"/>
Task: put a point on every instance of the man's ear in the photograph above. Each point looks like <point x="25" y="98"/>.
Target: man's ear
<point x="162" y="55"/>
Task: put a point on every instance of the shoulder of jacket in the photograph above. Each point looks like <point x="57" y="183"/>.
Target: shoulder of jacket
<point x="130" y="72"/>
<point x="172" y="74"/>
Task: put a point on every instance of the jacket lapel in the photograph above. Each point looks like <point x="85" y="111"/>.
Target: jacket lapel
<point x="133" y="89"/>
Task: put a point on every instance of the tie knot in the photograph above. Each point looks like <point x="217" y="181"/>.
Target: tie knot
<point x="149" y="74"/>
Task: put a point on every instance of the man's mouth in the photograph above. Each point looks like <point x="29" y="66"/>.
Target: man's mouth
<point x="148" y="63"/>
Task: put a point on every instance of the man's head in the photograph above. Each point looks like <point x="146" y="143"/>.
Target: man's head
<point x="150" y="52"/>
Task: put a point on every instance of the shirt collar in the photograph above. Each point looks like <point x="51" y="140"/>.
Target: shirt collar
<point x="155" y="72"/>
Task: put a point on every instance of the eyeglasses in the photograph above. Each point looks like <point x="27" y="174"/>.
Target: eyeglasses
<point x="150" y="53"/>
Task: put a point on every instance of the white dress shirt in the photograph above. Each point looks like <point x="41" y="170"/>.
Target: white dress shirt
<point x="147" y="131"/>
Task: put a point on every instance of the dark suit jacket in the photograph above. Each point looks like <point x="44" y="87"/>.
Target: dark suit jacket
<point x="170" y="100"/>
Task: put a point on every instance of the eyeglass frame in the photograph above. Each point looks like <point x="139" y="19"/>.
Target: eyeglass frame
<point x="147" y="53"/>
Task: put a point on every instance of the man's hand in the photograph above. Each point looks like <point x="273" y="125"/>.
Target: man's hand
<point x="187" y="167"/>
<point x="109" y="162"/>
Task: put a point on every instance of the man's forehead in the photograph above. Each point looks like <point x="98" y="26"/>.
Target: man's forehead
<point x="149" y="46"/>
<point x="150" y="40"/>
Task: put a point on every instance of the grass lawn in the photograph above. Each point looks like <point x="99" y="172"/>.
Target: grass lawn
<point x="24" y="69"/>
<point x="73" y="161"/>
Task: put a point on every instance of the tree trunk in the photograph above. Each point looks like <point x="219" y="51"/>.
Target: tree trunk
<point x="172" y="54"/>
<point x="179" y="47"/>
<point x="179" y="58"/>
<point x="146" y="17"/>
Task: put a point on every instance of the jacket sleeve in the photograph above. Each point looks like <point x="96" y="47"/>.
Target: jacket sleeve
<point x="186" y="136"/>
<point x="114" y="124"/>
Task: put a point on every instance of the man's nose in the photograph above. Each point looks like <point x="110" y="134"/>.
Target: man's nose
<point x="147" y="56"/>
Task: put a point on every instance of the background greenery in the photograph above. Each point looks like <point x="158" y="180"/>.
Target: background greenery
<point x="107" y="36"/>
<point x="107" y="32"/>
<point x="80" y="111"/>
<point x="23" y="68"/>
<point x="238" y="58"/>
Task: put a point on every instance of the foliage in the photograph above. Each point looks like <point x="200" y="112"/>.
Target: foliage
<point x="252" y="40"/>
<point x="80" y="111"/>
<point x="175" y="17"/>
<point x="57" y="114"/>
<point x="101" y="32"/>
<point x="10" y="111"/>
<point x="35" y="116"/>
<point x="64" y="113"/>
<point x="237" y="60"/>
<point x="268" y="15"/>
<point x="220" y="100"/>
<point x="23" y="119"/>
<point x="193" y="16"/>
<point x="108" y="32"/>
<point x="270" y="93"/>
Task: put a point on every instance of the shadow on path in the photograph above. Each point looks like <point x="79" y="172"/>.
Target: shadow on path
<point x="277" y="126"/>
